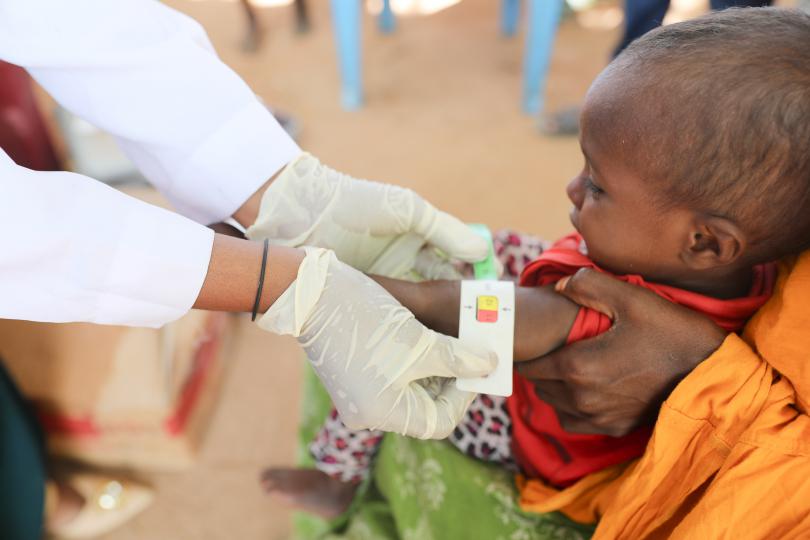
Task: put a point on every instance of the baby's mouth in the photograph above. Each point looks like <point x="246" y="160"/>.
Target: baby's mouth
<point x="583" y="247"/>
<point x="573" y="216"/>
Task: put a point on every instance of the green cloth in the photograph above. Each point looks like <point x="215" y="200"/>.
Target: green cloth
<point x="22" y="466"/>
<point x="424" y="490"/>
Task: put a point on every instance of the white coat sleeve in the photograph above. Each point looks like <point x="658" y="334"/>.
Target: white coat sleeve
<point x="148" y="75"/>
<point x="74" y="249"/>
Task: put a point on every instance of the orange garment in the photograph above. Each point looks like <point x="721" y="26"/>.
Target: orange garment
<point x="729" y="455"/>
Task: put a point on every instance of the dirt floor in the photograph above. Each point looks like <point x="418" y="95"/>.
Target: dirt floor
<point x="442" y="116"/>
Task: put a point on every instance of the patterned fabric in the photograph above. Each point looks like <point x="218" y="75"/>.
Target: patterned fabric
<point x="347" y="454"/>
<point x="344" y="453"/>
<point x="484" y="434"/>
<point x="426" y="490"/>
<point x="515" y="251"/>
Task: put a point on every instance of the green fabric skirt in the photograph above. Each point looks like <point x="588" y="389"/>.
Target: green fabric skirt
<point x="426" y="490"/>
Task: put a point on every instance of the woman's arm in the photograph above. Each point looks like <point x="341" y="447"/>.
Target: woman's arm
<point x="543" y="317"/>
<point x="78" y="250"/>
<point x="617" y="380"/>
<point x="233" y="274"/>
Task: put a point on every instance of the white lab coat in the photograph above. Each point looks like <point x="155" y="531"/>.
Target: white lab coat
<point x="74" y="249"/>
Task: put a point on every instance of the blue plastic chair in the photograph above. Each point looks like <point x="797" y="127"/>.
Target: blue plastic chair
<point x="543" y="19"/>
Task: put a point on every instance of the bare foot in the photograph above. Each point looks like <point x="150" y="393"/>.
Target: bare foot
<point x="309" y="490"/>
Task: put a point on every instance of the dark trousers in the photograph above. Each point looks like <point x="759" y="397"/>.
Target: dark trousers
<point x="641" y="16"/>
<point x="22" y="466"/>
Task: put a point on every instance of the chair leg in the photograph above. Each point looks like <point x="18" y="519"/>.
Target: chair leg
<point x="387" y="22"/>
<point x="544" y="17"/>
<point x="346" y="21"/>
<point x="510" y="14"/>
<point x="301" y="16"/>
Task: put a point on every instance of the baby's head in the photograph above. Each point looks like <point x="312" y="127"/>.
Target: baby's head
<point x="697" y="149"/>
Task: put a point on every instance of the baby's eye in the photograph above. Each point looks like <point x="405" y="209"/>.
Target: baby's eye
<point x="593" y="188"/>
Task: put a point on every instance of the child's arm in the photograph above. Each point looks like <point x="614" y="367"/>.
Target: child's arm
<point x="543" y="318"/>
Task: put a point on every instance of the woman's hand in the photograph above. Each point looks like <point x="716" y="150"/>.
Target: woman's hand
<point x="382" y="367"/>
<point x="613" y="382"/>
<point x="376" y="228"/>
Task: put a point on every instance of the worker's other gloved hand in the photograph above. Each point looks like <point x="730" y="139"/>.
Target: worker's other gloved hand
<point x="376" y="228"/>
<point x="382" y="368"/>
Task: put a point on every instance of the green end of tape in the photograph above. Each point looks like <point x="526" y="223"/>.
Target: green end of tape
<point x="485" y="269"/>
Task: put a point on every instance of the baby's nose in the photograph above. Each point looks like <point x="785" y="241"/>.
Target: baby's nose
<point x="576" y="191"/>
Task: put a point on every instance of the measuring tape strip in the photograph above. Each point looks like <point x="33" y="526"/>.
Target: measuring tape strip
<point x="487" y="321"/>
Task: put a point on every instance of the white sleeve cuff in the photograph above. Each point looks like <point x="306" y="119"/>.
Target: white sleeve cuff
<point x="79" y="251"/>
<point x="156" y="275"/>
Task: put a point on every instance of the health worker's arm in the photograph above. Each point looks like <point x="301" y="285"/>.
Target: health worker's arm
<point x="75" y="249"/>
<point x="543" y="318"/>
<point x="148" y="75"/>
<point x="81" y="251"/>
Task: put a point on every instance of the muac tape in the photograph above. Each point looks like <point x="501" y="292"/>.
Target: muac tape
<point x="487" y="322"/>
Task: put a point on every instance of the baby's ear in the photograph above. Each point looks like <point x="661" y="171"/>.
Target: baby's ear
<point x="713" y="242"/>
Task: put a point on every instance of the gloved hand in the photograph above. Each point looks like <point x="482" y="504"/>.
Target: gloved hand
<point x="376" y="228"/>
<point x="382" y="368"/>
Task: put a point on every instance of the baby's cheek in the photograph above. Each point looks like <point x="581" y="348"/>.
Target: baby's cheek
<point x="601" y="245"/>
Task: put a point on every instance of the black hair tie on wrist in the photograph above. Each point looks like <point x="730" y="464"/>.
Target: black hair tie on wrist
<point x="261" y="280"/>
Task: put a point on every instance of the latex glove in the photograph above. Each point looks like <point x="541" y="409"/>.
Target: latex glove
<point x="431" y="264"/>
<point x="377" y="228"/>
<point x="382" y="368"/>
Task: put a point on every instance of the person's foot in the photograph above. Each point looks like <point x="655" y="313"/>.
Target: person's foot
<point x="309" y="490"/>
<point x="88" y="505"/>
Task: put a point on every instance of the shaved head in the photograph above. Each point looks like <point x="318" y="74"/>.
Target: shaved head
<point x="716" y="111"/>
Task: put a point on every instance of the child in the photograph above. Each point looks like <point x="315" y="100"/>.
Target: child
<point x="696" y="176"/>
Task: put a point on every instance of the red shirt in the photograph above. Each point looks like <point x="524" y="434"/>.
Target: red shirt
<point x="540" y="446"/>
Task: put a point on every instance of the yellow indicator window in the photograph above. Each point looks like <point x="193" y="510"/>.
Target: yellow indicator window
<point x="489" y="303"/>
<point x="487" y="309"/>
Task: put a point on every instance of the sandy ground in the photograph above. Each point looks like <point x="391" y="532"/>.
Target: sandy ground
<point x="443" y="117"/>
